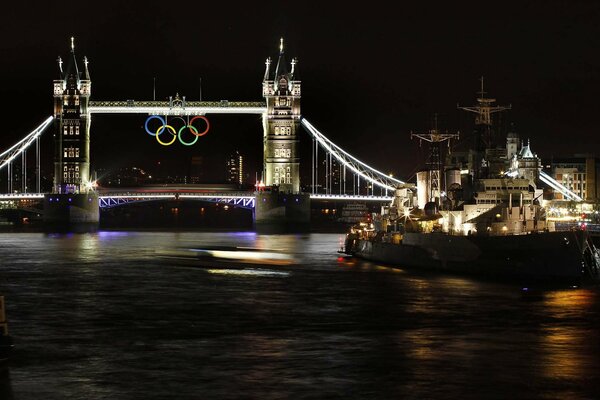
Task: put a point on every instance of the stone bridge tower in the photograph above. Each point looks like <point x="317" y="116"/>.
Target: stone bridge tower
<point x="73" y="198"/>
<point x="72" y="137"/>
<point x="284" y="207"/>
<point x="281" y="91"/>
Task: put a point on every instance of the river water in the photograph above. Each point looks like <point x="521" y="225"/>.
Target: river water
<point x="100" y="316"/>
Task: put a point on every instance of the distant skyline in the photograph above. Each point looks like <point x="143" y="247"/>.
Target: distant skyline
<point x="370" y="75"/>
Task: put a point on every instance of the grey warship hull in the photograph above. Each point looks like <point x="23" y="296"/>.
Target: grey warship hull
<point x="568" y="257"/>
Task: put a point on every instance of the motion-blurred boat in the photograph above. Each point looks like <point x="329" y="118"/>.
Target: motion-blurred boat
<point x="226" y="257"/>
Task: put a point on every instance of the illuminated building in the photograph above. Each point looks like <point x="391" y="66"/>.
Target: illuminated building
<point x="579" y="174"/>
<point x="235" y="168"/>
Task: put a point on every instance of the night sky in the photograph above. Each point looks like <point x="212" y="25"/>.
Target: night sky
<point x="370" y="75"/>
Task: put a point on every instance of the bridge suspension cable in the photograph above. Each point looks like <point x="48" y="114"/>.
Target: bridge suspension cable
<point x="347" y="161"/>
<point x="19" y="149"/>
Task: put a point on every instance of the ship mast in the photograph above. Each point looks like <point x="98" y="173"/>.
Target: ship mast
<point x="485" y="108"/>
<point x="434" y="161"/>
<point x="483" y="121"/>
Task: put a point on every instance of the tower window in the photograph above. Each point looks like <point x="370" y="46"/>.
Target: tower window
<point x="77" y="130"/>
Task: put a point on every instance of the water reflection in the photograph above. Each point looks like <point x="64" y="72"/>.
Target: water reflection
<point x="97" y="314"/>
<point x="247" y="272"/>
<point x="569" y="350"/>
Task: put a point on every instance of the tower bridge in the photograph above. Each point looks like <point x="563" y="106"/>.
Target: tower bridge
<point x="336" y="175"/>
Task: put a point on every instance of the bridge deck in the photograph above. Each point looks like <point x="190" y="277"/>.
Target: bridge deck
<point x="177" y="108"/>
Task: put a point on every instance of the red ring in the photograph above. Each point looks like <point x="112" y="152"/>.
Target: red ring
<point x="205" y="120"/>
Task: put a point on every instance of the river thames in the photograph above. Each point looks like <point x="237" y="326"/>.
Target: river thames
<point x="101" y="316"/>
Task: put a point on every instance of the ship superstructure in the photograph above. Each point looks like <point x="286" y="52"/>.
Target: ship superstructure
<point x="487" y="220"/>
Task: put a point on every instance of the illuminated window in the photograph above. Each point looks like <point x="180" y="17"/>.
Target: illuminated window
<point x="77" y="168"/>
<point x="65" y="101"/>
<point x="288" y="179"/>
<point x="76" y="100"/>
<point x="71" y="130"/>
<point x="65" y="154"/>
<point x="77" y="130"/>
<point x="277" y="154"/>
<point x="277" y="130"/>
<point x="77" y="152"/>
<point x="65" y="130"/>
<point x="287" y="153"/>
<point x="65" y="175"/>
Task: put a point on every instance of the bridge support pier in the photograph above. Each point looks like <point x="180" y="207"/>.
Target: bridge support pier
<point x="282" y="212"/>
<point x="71" y="209"/>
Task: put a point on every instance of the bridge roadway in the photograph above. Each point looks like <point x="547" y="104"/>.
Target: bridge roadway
<point x="239" y="199"/>
<point x="177" y="107"/>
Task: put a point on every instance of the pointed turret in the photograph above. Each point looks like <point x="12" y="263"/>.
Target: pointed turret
<point x="267" y="68"/>
<point x="86" y="71"/>
<point x="61" y="74"/>
<point x="293" y="73"/>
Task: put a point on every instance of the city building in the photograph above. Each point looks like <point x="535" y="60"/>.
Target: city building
<point x="579" y="174"/>
<point x="235" y="168"/>
<point x="196" y="170"/>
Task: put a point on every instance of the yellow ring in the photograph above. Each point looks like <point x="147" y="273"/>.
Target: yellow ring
<point x="169" y="128"/>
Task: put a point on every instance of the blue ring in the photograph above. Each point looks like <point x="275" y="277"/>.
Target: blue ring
<point x="153" y="117"/>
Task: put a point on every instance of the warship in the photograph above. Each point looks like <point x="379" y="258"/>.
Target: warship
<point x="487" y="219"/>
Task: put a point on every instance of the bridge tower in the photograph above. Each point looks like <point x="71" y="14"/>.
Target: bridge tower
<point x="284" y="207"/>
<point x="73" y="198"/>
<point x="281" y="91"/>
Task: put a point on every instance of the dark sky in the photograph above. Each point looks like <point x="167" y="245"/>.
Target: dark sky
<point x="370" y="74"/>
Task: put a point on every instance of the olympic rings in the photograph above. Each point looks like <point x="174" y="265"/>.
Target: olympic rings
<point x="161" y="119"/>
<point x="194" y="132"/>
<point x="177" y="134"/>
<point x="160" y="130"/>
<point x="205" y="120"/>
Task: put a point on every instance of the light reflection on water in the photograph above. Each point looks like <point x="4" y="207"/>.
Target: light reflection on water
<point x="100" y="315"/>
<point x="247" y="272"/>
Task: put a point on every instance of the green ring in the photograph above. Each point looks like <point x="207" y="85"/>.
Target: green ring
<point x="192" y="128"/>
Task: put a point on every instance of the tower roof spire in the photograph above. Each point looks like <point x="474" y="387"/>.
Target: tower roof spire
<point x="72" y="71"/>
<point x="281" y="68"/>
